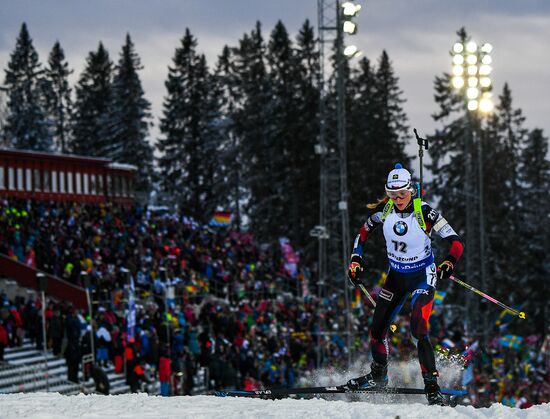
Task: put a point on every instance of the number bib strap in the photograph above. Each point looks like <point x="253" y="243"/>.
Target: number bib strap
<point x="417" y="205"/>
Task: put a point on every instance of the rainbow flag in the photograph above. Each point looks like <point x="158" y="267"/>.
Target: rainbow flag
<point x="221" y="219"/>
<point x="357" y="301"/>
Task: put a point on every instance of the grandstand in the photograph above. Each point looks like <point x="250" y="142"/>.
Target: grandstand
<point x="221" y="308"/>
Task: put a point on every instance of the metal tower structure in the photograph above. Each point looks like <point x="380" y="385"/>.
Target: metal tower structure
<point x="333" y="229"/>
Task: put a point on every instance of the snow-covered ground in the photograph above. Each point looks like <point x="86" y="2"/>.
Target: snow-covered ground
<point x="55" y="406"/>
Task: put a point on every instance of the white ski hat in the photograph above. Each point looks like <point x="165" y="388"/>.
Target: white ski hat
<point x="398" y="179"/>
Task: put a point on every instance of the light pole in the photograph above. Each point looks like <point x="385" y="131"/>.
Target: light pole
<point x="345" y="12"/>
<point x="42" y="283"/>
<point x="471" y="78"/>
<point x="335" y="20"/>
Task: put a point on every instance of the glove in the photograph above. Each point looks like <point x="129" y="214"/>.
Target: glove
<point x="445" y="270"/>
<point x="356" y="266"/>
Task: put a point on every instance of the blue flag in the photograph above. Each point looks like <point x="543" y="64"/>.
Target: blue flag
<point x="131" y="319"/>
<point x="439" y="296"/>
<point x="511" y="341"/>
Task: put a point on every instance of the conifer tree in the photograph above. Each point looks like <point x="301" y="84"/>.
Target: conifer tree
<point x="448" y="149"/>
<point x="378" y="135"/>
<point x="59" y="100"/>
<point x="365" y="151"/>
<point x="127" y="126"/>
<point x="306" y="108"/>
<point x="252" y="124"/>
<point x="189" y="129"/>
<point x="284" y="145"/>
<point x="27" y="126"/>
<point x="534" y="180"/>
<point x="503" y="137"/>
<point x="229" y="187"/>
<point x="91" y="109"/>
<point x="390" y="124"/>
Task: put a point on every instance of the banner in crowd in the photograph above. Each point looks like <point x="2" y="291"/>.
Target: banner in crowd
<point x="511" y="341"/>
<point x="439" y="297"/>
<point x="291" y="257"/>
<point x="469" y="352"/>
<point x="221" y="219"/>
<point x="357" y="300"/>
<point x="131" y="319"/>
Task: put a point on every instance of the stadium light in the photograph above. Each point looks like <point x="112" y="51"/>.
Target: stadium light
<point x="471" y="47"/>
<point x="350" y="27"/>
<point x="486" y="104"/>
<point x="351" y="51"/>
<point x="458" y="70"/>
<point x="487" y="48"/>
<point x="470" y="74"/>
<point x="349" y="10"/>
<point x="458" y="82"/>
<point x="471" y="59"/>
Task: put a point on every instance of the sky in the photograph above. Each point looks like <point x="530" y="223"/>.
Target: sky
<point x="417" y="35"/>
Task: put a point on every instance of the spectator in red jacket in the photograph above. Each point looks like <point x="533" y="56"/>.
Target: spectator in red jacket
<point x="165" y="372"/>
<point x="3" y="340"/>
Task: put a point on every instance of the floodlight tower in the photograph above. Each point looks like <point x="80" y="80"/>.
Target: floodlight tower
<point x="335" y="19"/>
<point x="471" y="78"/>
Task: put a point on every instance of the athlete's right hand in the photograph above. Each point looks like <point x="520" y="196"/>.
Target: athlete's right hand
<point x="355" y="268"/>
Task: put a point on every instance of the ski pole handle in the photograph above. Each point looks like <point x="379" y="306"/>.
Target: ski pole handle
<point x="520" y="314"/>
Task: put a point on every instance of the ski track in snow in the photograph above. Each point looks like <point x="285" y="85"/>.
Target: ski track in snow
<point x="56" y="406"/>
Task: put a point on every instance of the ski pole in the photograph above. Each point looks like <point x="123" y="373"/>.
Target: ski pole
<point x="520" y="314"/>
<point x="393" y="327"/>
<point x="367" y="295"/>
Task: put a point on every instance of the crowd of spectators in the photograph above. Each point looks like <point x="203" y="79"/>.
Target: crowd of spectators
<point x="212" y="299"/>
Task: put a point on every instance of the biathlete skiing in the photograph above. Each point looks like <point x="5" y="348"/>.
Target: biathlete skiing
<point x="407" y="224"/>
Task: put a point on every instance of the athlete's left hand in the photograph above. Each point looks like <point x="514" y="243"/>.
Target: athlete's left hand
<point x="445" y="270"/>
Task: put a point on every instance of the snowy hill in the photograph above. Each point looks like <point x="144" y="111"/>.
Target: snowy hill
<point x="54" y="406"/>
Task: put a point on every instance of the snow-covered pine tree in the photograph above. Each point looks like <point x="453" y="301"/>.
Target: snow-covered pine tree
<point x="59" y="100"/>
<point x="188" y="125"/>
<point x="126" y="126"/>
<point x="93" y="96"/>
<point x="27" y="126"/>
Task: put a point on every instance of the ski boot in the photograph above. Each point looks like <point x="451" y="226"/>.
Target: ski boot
<point x="432" y="390"/>
<point x="377" y="377"/>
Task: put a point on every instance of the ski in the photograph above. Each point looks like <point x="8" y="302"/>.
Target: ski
<point x="285" y="392"/>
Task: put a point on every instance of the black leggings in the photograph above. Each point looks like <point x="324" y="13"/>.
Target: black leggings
<point x="392" y="296"/>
